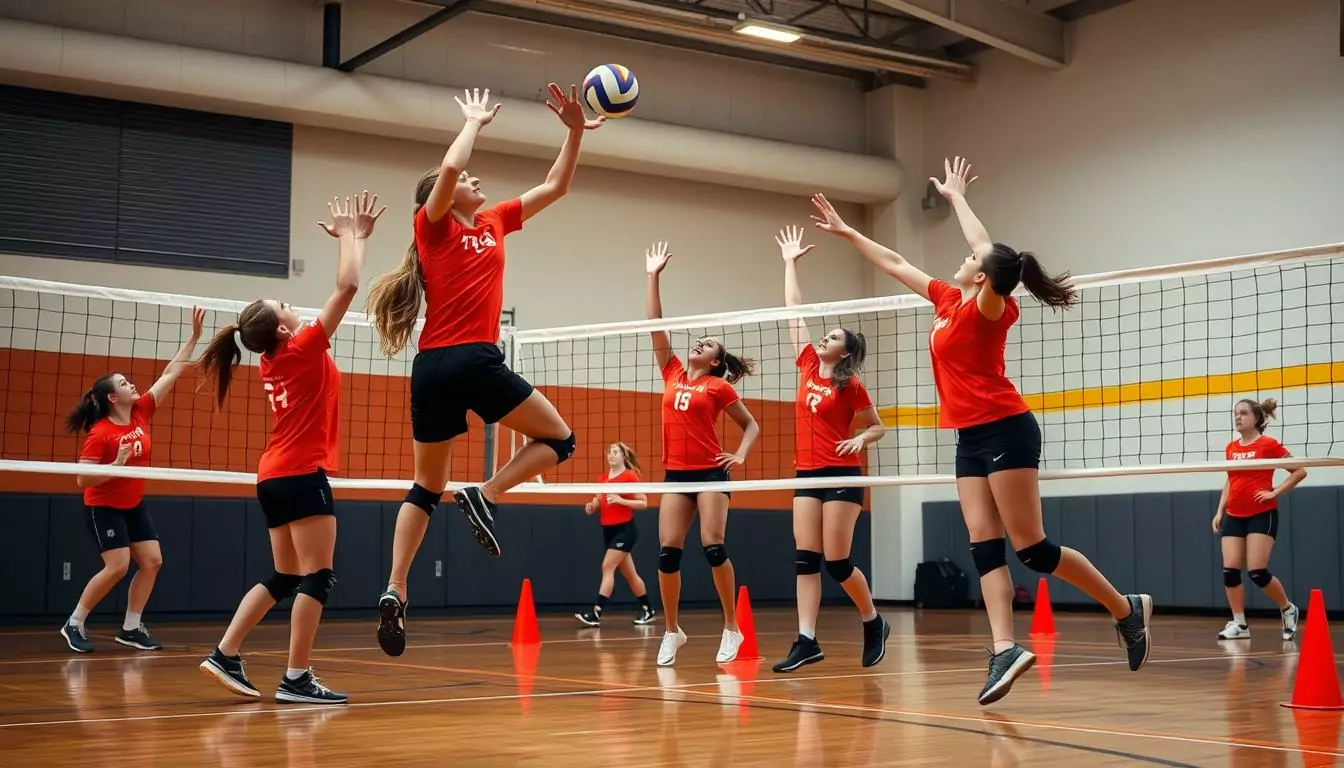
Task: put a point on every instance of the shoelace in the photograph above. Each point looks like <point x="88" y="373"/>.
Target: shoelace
<point x="998" y="663"/>
<point x="1130" y="635"/>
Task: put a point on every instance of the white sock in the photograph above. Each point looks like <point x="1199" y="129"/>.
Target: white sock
<point x="809" y="632"/>
<point x="81" y="613"/>
<point x="294" y="674"/>
<point x="1240" y="618"/>
<point x="869" y="617"/>
<point x="132" y="621"/>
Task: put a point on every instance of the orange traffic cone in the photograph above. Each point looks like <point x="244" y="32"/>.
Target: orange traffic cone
<point x="1043" y="620"/>
<point x="747" y="626"/>
<point x="1317" y="684"/>
<point x="525" y="630"/>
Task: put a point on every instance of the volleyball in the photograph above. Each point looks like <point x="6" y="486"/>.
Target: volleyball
<point x="611" y="90"/>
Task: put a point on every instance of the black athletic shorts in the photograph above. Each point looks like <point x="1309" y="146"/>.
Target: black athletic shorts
<point x="1013" y="442"/>
<point x="449" y="381"/>
<point x="1238" y="527"/>
<point x="848" y="493"/>
<point x="287" y="499"/>
<point x="621" y="536"/>
<point x="114" y="528"/>
<point x="711" y="475"/>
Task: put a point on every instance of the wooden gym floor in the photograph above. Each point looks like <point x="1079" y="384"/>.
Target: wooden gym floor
<point x="461" y="696"/>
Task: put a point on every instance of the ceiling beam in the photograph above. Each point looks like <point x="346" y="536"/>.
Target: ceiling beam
<point x="1038" y="38"/>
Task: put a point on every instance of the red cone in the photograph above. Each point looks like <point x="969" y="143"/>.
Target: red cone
<point x="525" y="630"/>
<point x="1317" y="684"/>
<point x="1043" y="620"/>
<point x="747" y="626"/>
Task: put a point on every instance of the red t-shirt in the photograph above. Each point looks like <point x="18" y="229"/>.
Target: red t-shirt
<point x="303" y="388"/>
<point x="824" y="415"/>
<point x="615" y="514"/>
<point x="689" y="412"/>
<point x="1243" y="484"/>
<point x="101" y="446"/>
<point x="967" y="349"/>
<point x="464" y="274"/>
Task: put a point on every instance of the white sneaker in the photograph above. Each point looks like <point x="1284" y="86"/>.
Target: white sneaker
<point x="1289" y="618"/>
<point x="667" y="651"/>
<point x="732" y="640"/>
<point x="1235" y="631"/>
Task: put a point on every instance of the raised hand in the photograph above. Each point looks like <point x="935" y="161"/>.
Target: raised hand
<point x="476" y="108"/>
<point x="956" y="182"/>
<point x="829" y="221"/>
<point x="197" y="322"/>
<point x="790" y="241"/>
<point x="123" y="453"/>
<point x="355" y="218"/>
<point x="656" y="258"/>
<point x="570" y="110"/>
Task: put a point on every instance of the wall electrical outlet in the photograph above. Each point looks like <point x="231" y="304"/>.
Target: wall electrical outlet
<point x="438" y="569"/>
<point x="65" y="571"/>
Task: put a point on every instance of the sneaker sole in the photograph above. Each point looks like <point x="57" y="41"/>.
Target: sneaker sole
<point x="391" y="638"/>
<point x="641" y="621"/>
<point x="137" y="646"/>
<point x="1024" y="662"/>
<point x="587" y="622"/>
<point x="813" y="659"/>
<point x="295" y="698"/>
<point x="1146" y="601"/>
<point x="71" y="643"/>
<point x="886" y="633"/>
<point x="475" y="519"/>
<point x="223" y="678"/>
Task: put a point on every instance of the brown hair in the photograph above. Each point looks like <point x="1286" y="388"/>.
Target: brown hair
<point x="1263" y="411"/>
<point x="628" y="455"/>
<point x="257" y="326"/>
<point x="93" y="406"/>
<point x="857" y="347"/>
<point x="1005" y="268"/>
<point x="730" y="367"/>
<point x="394" y="298"/>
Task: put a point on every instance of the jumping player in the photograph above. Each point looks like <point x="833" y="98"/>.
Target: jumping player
<point x="116" y="418"/>
<point x="303" y="387"/>
<point x="619" y="534"/>
<point x="998" y="438"/>
<point x="694" y="396"/>
<point x="830" y="398"/>
<point x="456" y="264"/>
<point x="1248" y="518"/>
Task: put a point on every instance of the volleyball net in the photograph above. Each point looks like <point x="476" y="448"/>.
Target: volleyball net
<point x="1139" y="377"/>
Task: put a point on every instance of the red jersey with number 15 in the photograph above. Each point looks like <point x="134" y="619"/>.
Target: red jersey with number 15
<point x="464" y="274"/>
<point x="101" y="447"/>
<point x="303" y="388"/>
<point x="1243" y="484"/>
<point x="690" y="409"/>
<point x="823" y="415"/>
<point x="967" y="349"/>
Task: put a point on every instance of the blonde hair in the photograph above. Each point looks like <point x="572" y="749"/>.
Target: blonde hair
<point x="628" y="456"/>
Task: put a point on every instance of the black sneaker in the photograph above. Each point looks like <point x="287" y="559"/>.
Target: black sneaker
<point x="481" y="516"/>
<point x="391" y="623"/>
<point x="589" y="617"/>
<point x="1133" y="630"/>
<point x="875" y="634"/>
<point x="229" y="673"/>
<point x="76" y="638"/>
<point x="646" y="614"/>
<point x="1004" y="669"/>
<point x="307" y="690"/>
<point x="138" y="638"/>
<point x="805" y="650"/>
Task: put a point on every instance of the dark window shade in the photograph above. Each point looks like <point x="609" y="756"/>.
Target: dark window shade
<point x="91" y="178"/>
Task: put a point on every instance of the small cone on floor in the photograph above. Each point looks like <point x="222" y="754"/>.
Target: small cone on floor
<point x="748" y="651"/>
<point x="1043" y="620"/>
<point x="525" y="630"/>
<point x="1317" y="684"/>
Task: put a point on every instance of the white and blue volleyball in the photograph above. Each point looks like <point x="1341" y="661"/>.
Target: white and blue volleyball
<point x="611" y="90"/>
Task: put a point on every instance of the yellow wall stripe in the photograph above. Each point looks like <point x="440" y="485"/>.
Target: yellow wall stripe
<point x="1292" y="377"/>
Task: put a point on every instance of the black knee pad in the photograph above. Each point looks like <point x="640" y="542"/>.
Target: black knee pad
<point x="423" y="498"/>
<point x="808" y="562"/>
<point x="563" y="448"/>
<point x="1260" y="577"/>
<point x="989" y="555"/>
<point x="318" y="585"/>
<point x="669" y="559"/>
<point x="716" y="555"/>
<point x="281" y="585"/>
<point x="1041" y="557"/>
<point x="840" y="570"/>
<point x="1231" y="577"/>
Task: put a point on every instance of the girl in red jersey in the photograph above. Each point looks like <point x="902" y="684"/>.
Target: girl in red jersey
<point x="302" y="386"/>
<point x="998" y="438"/>
<point x="830" y="398"/>
<point x="456" y="263"/>
<point x="116" y="418"/>
<point x="694" y="396"/>
<point x="1247" y="518"/>
<point x="618" y="534"/>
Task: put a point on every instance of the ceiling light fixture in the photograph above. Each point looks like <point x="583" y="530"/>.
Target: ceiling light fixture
<point x="766" y="31"/>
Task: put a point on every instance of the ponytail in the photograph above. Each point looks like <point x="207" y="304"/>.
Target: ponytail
<point x="93" y="405"/>
<point x="857" y="348"/>
<point x="221" y="356"/>
<point x="394" y="302"/>
<point x="1263" y="411"/>
<point x="733" y="368"/>
<point x="1005" y="269"/>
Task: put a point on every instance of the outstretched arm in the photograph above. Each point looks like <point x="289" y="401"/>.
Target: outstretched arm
<point x="655" y="260"/>
<point x="791" y="247"/>
<point x="557" y="182"/>
<point x="351" y="225"/>
<point x="179" y="362"/>
<point x="478" y="115"/>
<point x="886" y="259"/>
<point x="953" y="188"/>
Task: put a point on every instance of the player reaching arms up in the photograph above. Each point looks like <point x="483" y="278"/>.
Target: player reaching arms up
<point x="998" y="439"/>
<point x="456" y="264"/>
